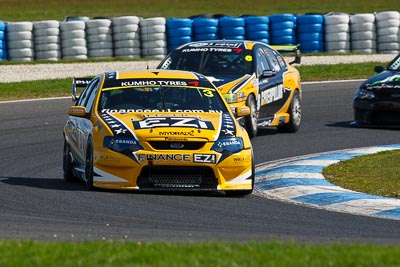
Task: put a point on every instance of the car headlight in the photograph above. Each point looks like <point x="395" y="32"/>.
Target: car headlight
<point x="122" y="144"/>
<point x="364" y="94"/>
<point x="233" y="98"/>
<point x="232" y="145"/>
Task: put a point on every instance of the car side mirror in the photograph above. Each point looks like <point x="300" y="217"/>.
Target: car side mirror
<point x="242" y="111"/>
<point x="77" y="111"/>
<point x="379" y="69"/>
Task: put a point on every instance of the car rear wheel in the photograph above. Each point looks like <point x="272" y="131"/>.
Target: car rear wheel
<point x="67" y="164"/>
<point x="295" y="115"/>
<point x="251" y="120"/>
<point x="89" y="166"/>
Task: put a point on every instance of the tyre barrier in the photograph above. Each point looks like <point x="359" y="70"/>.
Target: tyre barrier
<point x="99" y="38"/>
<point x="153" y="37"/>
<point x="232" y="28"/>
<point x="282" y="28"/>
<point x="46" y="39"/>
<point x="179" y="31"/>
<point x="310" y="33"/>
<point x="337" y="33"/>
<point x="3" y="47"/>
<point x="388" y="32"/>
<point x="73" y="40"/>
<point x="362" y="33"/>
<point x="19" y="36"/>
<point x="257" y="28"/>
<point x="79" y="38"/>
<point x="205" y="29"/>
<point x="126" y="37"/>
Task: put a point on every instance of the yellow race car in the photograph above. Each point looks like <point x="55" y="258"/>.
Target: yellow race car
<point x="156" y="130"/>
<point x="247" y="73"/>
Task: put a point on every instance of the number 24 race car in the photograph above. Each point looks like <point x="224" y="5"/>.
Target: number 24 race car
<point x="156" y="130"/>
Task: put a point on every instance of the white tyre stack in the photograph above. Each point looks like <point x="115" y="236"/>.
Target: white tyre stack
<point x="99" y="38"/>
<point x="153" y="37"/>
<point x="388" y="32"/>
<point x="126" y="36"/>
<point x="46" y="39"/>
<point x="20" y="41"/>
<point x="337" y="33"/>
<point x="73" y="40"/>
<point x="363" y="33"/>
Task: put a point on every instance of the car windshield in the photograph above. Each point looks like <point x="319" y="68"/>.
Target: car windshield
<point x="161" y="99"/>
<point x="395" y="65"/>
<point x="235" y="62"/>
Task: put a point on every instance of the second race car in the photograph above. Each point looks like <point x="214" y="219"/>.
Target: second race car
<point x="247" y="73"/>
<point x="156" y="130"/>
<point x="377" y="101"/>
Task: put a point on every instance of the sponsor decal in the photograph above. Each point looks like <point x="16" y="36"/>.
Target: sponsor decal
<point x="117" y="127"/>
<point x="179" y="133"/>
<point x="273" y="94"/>
<point x="153" y="83"/>
<point x="177" y="138"/>
<point x="238" y="159"/>
<point x="164" y="157"/>
<point x="204" y="158"/>
<point x="126" y="111"/>
<point x="154" y="122"/>
<point x="389" y="82"/>
<point x="228" y="128"/>
<point x="110" y="158"/>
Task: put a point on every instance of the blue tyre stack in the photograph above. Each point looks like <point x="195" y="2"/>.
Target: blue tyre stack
<point x="257" y="28"/>
<point x="179" y="31"/>
<point x="310" y="33"/>
<point x="282" y="29"/>
<point x="232" y="28"/>
<point x="205" y="29"/>
<point x="3" y="54"/>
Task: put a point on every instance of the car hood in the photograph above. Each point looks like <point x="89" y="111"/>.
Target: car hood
<point x="143" y="126"/>
<point x="231" y="83"/>
<point x="384" y="81"/>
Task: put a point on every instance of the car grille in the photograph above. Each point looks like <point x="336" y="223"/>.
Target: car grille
<point x="385" y="117"/>
<point x="177" y="177"/>
<point x="168" y="145"/>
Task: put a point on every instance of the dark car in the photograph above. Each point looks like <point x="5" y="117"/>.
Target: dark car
<point x="377" y="101"/>
<point x="247" y="73"/>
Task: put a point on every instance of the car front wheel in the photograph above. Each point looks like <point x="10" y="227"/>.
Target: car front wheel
<point x="251" y="120"/>
<point x="295" y="115"/>
<point x="89" y="166"/>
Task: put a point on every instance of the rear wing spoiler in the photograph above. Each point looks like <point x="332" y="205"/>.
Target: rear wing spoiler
<point x="79" y="82"/>
<point x="283" y="49"/>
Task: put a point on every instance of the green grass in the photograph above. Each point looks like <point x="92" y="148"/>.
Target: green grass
<point x="62" y="87"/>
<point x="16" y="10"/>
<point x="27" y="253"/>
<point x="376" y="174"/>
<point x="273" y="254"/>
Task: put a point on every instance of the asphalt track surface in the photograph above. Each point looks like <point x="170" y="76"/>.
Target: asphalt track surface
<point x="36" y="204"/>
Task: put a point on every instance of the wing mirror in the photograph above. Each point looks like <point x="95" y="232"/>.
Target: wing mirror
<point x="379" y="69"/>
<point x="77" y="111"/>
<point x="242" y="111"/>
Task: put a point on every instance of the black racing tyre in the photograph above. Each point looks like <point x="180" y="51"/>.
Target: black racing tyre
<point x="67" y="165"/>
<point x="89" y="166"/>
<point x="251" y="120"/>
<point x="295" y="115"/>
<point x="240" y="193"/>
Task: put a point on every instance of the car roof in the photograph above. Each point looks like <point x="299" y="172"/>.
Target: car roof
<point x="154" y="77"/>
<point x="247" y="44"/>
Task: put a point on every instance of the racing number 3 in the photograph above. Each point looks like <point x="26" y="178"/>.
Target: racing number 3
<point x="208" y="93"/>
